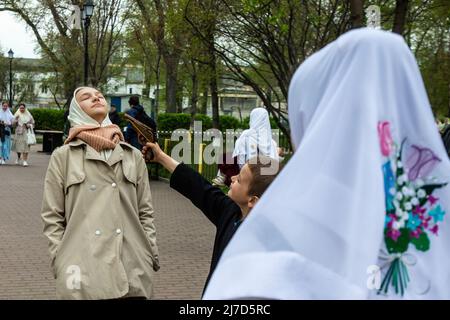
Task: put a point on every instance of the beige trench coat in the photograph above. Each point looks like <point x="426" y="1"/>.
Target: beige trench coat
<point x="98" y="217"/>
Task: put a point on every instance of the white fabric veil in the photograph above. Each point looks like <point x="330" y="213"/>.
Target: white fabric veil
<point x="319" y="226"/>
<point x="6" y="116"/>
<point x="257" y="138"/>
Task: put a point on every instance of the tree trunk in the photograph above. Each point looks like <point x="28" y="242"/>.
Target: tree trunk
<point x="213" y="76"/>
<point x="204" y="105"/>
<point x="214" y="91"/>
<point x="449" y="100"/>
<point x="158" y="79"/>
<point x="194" y="96"/>
<point x="401" y="10"/>
<point x="171" y="84"/>
<point x="214" y="102"/>
<point x="357" y="13"/>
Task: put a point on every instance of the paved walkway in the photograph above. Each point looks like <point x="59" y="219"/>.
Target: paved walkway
<point x="185" y="237"/>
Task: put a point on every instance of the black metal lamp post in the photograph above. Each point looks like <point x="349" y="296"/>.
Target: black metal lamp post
<point x="10" y="56"/>
<point x="86" y="12"/>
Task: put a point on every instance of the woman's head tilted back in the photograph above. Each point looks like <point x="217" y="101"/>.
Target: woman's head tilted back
<point x="88" y="107"/>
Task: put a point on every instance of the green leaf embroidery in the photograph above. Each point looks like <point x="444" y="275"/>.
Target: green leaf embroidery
<point x="422" y="243"/>
<point x="399" y="246"/>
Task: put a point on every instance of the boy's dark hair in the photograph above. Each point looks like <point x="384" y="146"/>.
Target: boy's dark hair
<point x="134" y="100"/>
<point x="264" y="170"/>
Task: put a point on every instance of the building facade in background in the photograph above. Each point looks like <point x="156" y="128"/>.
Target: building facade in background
<point x="33" y="84"/>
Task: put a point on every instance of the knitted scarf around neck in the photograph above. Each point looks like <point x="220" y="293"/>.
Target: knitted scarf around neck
<point x="99" y="138"/>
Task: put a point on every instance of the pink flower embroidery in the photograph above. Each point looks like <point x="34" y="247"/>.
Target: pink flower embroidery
<point x="416" y="233"/>
<point x="418" y="210"/>
<point x="435" y="229"/>
<point x="384" y="134"/>
<point x="432" y="200"/>
<point x="393" y="234"/>
<point x="425" y="221"/>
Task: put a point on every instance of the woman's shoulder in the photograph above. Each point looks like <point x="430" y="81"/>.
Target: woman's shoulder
<point x="131" y="151"/>
<point x="74" y="146"/>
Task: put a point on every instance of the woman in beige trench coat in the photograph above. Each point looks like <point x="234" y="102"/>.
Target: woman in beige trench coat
<point x="97" y="209"/>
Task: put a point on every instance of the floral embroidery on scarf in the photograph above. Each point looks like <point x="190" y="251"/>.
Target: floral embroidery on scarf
<point x="413" y="213"/>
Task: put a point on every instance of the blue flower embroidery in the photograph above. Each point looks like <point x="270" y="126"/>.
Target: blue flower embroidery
<point x="437" y="213"/>
<point x="413" y="222"/>
<point x="389" y="183"/>
<point x="387" y="219"/>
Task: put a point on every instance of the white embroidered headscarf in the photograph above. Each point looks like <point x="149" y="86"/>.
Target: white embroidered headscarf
<point x="256" y="139"/>
<point x="319" y="228"/>
<point x="6" y="116"/>
<point x="24" y="117"/>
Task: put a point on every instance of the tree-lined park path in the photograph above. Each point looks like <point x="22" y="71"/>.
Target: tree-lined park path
<point x="185" y="237"/>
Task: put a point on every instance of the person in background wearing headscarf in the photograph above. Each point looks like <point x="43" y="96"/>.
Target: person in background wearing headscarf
<point x="6" y="120"/>
<point x="359" y="211"/>
<point x="257" y="140"/>
<point x="97" y="209"/>
<point x="23" y="120"/>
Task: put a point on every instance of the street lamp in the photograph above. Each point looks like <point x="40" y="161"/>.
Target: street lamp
<point x="10" y="56"/>
<point x="86" y="14"/>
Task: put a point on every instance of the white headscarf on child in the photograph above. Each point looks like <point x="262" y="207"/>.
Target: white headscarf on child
<point x="319" y="227"/>
<point x="6" y="116"/>
<point x="257" y="138"/>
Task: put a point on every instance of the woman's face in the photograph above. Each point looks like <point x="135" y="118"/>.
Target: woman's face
<point x="22" y="109"/>
<point x="93" y="103"/>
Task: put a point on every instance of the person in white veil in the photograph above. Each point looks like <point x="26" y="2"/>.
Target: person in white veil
<point x="257" y="140"/>
<point x="23" y="121"/>
<point x="6" y="120"/>
<point x="359" y="210"/>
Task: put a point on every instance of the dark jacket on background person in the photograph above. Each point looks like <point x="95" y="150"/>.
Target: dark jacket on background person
<point x="130" y="134"/>
<point x="114" y="117"/>
<point x="223" y="212"/>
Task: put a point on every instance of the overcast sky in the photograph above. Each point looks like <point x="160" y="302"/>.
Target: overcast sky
<point x="13" y="35"/>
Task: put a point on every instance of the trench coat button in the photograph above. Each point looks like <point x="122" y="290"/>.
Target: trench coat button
<point x="93" y="187"/>
<point x="114" y="185"/>
<point x="97" y="232"/>
<point x="118" y="231"/>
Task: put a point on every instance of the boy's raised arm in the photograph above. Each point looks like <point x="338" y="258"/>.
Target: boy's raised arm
<point x="209" y="199"/>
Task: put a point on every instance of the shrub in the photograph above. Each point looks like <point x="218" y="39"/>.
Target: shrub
<point x="206" y="121"/>
<point x="173" y="121"/>
<point x="228" y="122"/>
<point x="48" y="119"/>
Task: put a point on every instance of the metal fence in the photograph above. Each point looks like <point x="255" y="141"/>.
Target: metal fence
<point x="209" y="171"/>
